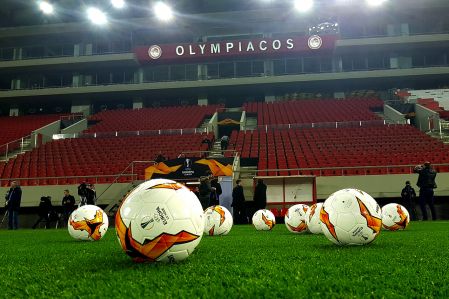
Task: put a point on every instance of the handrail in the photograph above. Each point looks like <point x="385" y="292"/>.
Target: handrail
<point x="8" y="147"/>
<point x="342" y="168"/>
<point x="341" y="124"/>
<point x="133" y="133"/>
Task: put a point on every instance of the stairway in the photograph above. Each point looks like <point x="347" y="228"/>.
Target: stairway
<point x="247" y="174"/>
<point x="24" y="148"/>
<point x="251" y="123"/>
<point x="216" y="152"/>
<point x="444" y="137"/>
<point x="205" y="123"/>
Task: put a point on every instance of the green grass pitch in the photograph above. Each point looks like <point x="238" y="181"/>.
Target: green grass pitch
<point x="244" y="264"/>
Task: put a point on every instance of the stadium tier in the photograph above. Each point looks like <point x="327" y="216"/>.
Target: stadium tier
<point x="314" y="111"/>
<point x="338" y="148"/>
<point x="15" y="127"/>
<point x="151" y="118"/>
<point x="101" y="157"/>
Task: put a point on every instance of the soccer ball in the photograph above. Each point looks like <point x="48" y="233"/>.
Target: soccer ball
<point x="264" y="220"/>
<point x="295" y="218"/>
<point x="160" y="220"/>
<point x="88" y="223"/>
<point x="313" y="218"/>
<point x="351" y="217"/>
<point x="395" y="217"/>
<point x="218" y="221"/>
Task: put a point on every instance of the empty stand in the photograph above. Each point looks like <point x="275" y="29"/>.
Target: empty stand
<point x="339" y="148"/>
<point x="314" y="111"/>
<point x="151" y="118"/>
<point x="15" y="127"/>
<point x="96" y="157"/>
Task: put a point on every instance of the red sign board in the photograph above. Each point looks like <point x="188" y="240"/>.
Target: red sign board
<point x="262" y="47"/>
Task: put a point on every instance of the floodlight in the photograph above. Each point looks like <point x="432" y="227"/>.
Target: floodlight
<point x="118" y="3"/>
<point x="162" y="11"/>
<point x="46" y="7"/>
<point x="303" y="5"/>
<point x="96" y="16"/>
<point x="375" y="2"/>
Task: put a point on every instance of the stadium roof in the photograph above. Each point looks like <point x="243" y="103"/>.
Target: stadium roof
<point x="26" y="12"/>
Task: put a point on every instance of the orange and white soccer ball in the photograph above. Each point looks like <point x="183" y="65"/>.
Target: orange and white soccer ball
<point x="295" y="218"/>
<point x="217" y="221"/>
<point x="160" y="220"/>
<point x="351" y="217"/>
<point x="264" y="220"/>
<point x="313" y="218"/>
<point x="395" y="217"/>
<point x="88" y="222"/>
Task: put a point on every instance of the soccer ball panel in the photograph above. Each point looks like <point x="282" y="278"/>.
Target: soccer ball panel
<point x="88" y="222"/>
<point x="313" y="218"/>
<point x="395" y="217"/>
<point x="264" y="220"/>
<point x="218" y="221"/>
<point x="295" y="218"/>
<point x="159" y="219"/>
<point x="354" y="212"/>
<point x="346" y="221"/>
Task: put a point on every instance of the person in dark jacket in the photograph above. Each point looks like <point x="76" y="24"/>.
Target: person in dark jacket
<point x="91" y="195"/>
<point x="426" y="184"/>
<point x="45" y="208"/>
<point x="82" y="192"/>
<point x="205" y="189"/>
<point x="13" y="198"/>
<point x="215" y="193"/>
<point x="68" y="204"/>
<point x="408" y="196"/>
<point x="260" y="195"/>
<point x="238" y="204"/>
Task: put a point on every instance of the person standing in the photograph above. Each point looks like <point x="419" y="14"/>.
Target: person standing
<point x="238" y="203"/>
<point x="91" y="195"/>
<point x="260" y="195"/>
<point x="205" y="190"/>
<point x="426" y="184"/>
<point x="224" y="142"/>
<point x="216" y="192"/>
<point x="408" y="196"/>
<point x="68" y="204"/>
<point x="13" y="198"/>
<point x="82" y="192"/>
<point x="45" y="208"/>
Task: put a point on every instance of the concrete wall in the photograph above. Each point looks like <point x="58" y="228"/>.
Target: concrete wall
<point x="31" y="194"/>
<point x="394" y="116"/>
<point x="213" y="124"/>
<point x="379" y="186"/>
<point x="243" y="121"/>
<point x="76" y="127"/>
<point x="422" y="118"/>
<point x="47" y="132"/>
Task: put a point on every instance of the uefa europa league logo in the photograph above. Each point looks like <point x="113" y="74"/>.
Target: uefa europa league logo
<point x="314" y="42"/>
<point x="154" y="52"/>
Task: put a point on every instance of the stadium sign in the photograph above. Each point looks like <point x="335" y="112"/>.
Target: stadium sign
<point x="263" y="47"/>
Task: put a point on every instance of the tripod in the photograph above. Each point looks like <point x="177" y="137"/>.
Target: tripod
<point x="4" y="217"/>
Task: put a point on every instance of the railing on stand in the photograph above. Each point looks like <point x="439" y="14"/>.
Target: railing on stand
<point x="14" y="147"/>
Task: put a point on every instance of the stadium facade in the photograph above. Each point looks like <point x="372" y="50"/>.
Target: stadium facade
<point x="260" y="53"/>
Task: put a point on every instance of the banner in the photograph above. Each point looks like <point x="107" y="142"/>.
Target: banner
<point x="254" y="48"/>
<point x="189" y="168"/>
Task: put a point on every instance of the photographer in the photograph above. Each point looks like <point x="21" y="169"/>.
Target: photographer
<point x="426" y="184"/>
<point x="214" y="199"/>
<point x="205" y="190"/>
<point x="13" y="198"/>
<point x="68" y="204"/>
<point x="91" y="195"/>
<point x="45" y="209"/>
<point x="82" y="192"/>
